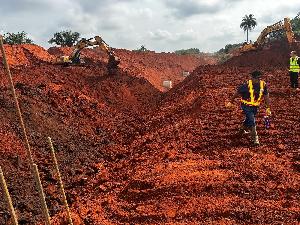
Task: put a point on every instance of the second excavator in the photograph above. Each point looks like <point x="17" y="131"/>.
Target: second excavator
<point x="284" y="25"/>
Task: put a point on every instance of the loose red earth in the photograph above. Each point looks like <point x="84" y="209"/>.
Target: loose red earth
<point x="131" y="154"/>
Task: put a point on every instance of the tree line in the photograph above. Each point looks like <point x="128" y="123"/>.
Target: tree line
<point x="65" y="38"/>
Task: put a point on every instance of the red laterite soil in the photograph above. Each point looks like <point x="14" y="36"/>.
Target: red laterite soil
<point x="131" y="154"/>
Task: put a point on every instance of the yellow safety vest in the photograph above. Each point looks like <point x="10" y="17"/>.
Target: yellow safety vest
<point x="294" y="66"/>
<point x="252" y="101"/>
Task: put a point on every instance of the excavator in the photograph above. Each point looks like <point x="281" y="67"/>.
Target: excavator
<point x="74" y="58"/>
<point x="284" y="25"/>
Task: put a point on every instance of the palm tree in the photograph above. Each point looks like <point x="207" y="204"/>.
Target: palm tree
<point x="248" y="24"/>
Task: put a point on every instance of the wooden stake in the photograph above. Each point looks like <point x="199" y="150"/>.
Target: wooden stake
<point x="8" y="199"/>
<point x="61" y="185"/>
<point x="41" y="194"/>
<point x="29" y="155"/>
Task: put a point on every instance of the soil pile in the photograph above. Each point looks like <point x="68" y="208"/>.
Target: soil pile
<point x="188" y="164"/>
<point x="275" y="55"/>
<point x="155" y="67"/>
<point x="79" y="105"/>
<point x="130" y="154"/>
<point x="26" y="54"/>
<point x="159" y="67"/>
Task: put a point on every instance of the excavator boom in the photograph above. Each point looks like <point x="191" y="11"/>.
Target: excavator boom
<point x="74" y="58"/>
<point x="284" y="25"/>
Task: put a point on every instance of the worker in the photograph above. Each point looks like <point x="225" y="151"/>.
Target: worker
<point x="113" y="62"/>
<point x="294" y="70"/>
<point x="252" y="93"/>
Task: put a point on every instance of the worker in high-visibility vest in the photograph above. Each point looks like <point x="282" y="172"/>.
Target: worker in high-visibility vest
<point x="252" y="93"/>
<point x="294" y="70"/>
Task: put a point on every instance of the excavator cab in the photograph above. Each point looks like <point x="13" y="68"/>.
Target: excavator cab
<point x="74" y="58"/>
<point x="247" y="47"/>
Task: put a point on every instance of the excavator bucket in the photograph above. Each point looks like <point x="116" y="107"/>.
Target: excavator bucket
<point x="289" y="31"/>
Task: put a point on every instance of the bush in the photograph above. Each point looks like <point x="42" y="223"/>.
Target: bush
<point x="142" y="49"/>
<point x="65" y="38"/>
<point x="190" y="51"/>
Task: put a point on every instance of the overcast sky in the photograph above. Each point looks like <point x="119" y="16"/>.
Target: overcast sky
<point x="160" y="25"/>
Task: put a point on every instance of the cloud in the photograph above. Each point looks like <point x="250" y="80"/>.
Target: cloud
<point x="277" y="14"/>
<point x="166" y="36"/>
<point x="162" y="25"/>
<point x="18" y="6"/>
<point x="187" y="8"/>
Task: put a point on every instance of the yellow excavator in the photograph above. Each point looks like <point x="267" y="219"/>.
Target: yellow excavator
<point x="284" y="25"/>
<point x="74" y="58"/>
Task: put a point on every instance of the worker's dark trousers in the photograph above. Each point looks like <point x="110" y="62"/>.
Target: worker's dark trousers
<point x="294" y="79"/>
<point x="250" y="113"/>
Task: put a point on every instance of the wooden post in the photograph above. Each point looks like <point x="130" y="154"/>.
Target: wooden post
<point x="61" y="185"/>
<point x="8" y="199"/>
<point x="29" y="155"/>
<point x="41" y="194"/>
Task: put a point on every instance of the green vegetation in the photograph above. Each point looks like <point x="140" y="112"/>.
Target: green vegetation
<point x="190" y="51"/>
<point x="229" y="48"/>
<point x="296" y="24"/>
<point x="248" y="24"/>
<point x="142" y="49"/>
<point x="226" y="53"/>
<point x="65" y="38"/>
<point x="16" y="38"/>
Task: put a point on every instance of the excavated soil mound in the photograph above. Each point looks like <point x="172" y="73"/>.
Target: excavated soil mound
<point x="189" y="165"/>
<point x="275" y="55"/>
<point x="155" y="67"/>
<point x="130" y="154"/>
<point x="26" y="54"/>
<point x="82" y="106"/>
<point x="159" y="67"/>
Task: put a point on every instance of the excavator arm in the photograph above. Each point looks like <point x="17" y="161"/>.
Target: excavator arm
<point x="289" y="31"/>
<point x="74" y="58"/>
<point x="269" y="29"/>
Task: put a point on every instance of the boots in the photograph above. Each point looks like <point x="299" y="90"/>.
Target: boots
<point x="254" y="136"/>
<point x="243" y="130"/>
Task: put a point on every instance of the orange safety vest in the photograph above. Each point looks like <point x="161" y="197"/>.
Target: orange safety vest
<point x="252" y="101"/>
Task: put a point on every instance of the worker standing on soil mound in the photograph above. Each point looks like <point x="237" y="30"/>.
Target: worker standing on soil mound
<point x="252" y="94"/>
<point x="294" y="70"/>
